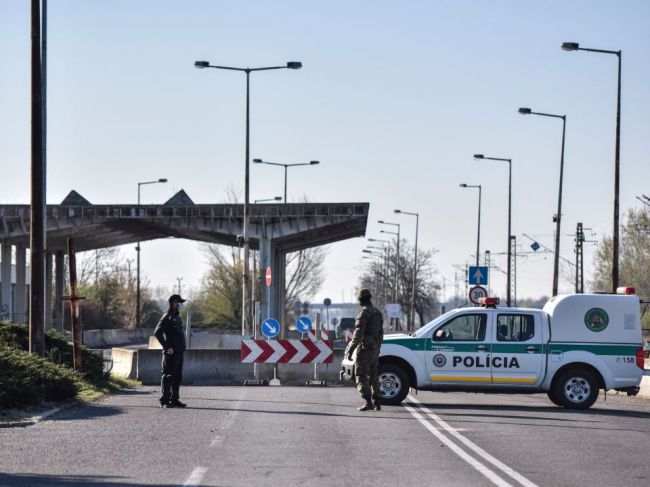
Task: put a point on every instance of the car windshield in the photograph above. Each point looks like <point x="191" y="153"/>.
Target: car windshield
<point x="432" y="324"/>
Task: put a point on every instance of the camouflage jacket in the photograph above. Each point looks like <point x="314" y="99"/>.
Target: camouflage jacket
<point x="368" y="330"/>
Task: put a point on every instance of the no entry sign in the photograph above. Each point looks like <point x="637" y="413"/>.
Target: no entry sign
<point x="268" y="277"/>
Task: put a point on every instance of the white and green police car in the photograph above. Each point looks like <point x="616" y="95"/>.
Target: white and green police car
<point x="577" y="345"/>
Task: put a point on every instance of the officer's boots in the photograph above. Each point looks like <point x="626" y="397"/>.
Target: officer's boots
<point x="377" y="404"/>
<point x="368" y="406"/>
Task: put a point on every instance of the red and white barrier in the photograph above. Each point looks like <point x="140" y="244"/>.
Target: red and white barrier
<point x="324" y="335"/>
<point x="348" y="335"/>
<point x="286" y="351"/>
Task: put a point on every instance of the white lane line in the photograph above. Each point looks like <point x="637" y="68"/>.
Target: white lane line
<point x="493" y="477"/>
<point x="195" y="477"/>
<point x="473" y="446"/>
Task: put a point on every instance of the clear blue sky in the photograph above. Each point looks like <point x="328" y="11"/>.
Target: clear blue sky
<point x="393" y="99"/>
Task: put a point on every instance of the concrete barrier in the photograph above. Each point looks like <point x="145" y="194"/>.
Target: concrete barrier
<point x="207" y="340"/>
<point x="125" y="363"/>
<point x="223" y="367"/>
<point x="111" y="338"/>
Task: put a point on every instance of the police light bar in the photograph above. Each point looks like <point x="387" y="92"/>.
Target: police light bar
<point x="625" y="290"/>
<point x="489" y="301"/>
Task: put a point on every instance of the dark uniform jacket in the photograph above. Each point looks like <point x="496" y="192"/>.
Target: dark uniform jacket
<point x="368" y="330"/>
<point x="169" y="332"/>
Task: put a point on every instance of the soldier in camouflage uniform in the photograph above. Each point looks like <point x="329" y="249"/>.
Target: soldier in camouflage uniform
<point x="367" y="338"/>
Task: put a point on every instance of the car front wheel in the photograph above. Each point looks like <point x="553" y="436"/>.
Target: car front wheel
<point x="393" y="383"/>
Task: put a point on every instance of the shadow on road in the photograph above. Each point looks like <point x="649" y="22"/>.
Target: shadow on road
<point x="87" y="412"/>
<point x="35" y="480"/>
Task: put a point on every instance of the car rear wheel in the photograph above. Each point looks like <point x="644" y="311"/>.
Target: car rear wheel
<point x="393" y="383"/>
<point x="576" y="388"/>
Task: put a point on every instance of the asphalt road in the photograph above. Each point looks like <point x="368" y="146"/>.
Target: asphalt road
<point x="250" y="436"/>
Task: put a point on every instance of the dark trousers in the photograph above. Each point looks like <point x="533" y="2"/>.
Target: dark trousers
<point x="172" y="375"/>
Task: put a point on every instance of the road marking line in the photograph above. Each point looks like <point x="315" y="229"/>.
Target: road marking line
<point x="195" y="477"/>
<point x="482" y="469"/>
<point x="473" y="446"/>
<point x="217" y="441"/>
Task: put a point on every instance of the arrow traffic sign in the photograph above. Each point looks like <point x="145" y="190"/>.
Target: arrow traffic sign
<point x="270" y="328"/>
<point x="478" y="275"/>
<point x="303" y="324"/>
<point x="286" y="351"/>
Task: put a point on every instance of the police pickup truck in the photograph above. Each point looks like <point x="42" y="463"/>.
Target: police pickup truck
<point x="575" y="346"/>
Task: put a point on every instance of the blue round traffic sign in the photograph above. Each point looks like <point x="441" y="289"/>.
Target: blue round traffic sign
<point x="270" y="328"/>
<point x="303" y="324"/>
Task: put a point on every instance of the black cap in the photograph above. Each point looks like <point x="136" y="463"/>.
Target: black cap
<point x="176" y="298"/>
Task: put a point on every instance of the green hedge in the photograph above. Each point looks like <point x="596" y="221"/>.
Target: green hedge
<point x="57" y="349"/>
<point x="28" y="379"/>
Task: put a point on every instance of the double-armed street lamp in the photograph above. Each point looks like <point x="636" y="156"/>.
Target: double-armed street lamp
<point x="478" y="233"/>
<point x="290" y="65"/>
<point x="415" y="262"/>
<point x="574" y="46"/>
<point x="558" y="218"/>
<point x="509" y="161"/>
<point x="286" y="166"/>
<point x="138" y="310"/>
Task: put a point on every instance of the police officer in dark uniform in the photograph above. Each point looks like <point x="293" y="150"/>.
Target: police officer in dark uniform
<point x="367" y="338"/>
<point x="169" y="333"/>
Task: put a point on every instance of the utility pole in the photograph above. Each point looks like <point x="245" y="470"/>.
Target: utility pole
<point x="179" y="280"/>
<point x="580" y="238"/>
<point x="38" y="192"/>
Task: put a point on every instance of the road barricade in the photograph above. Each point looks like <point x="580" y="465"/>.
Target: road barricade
<point x="287" y="351"/>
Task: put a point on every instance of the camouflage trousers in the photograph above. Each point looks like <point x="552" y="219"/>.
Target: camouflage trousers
<point x="365" y="373"/>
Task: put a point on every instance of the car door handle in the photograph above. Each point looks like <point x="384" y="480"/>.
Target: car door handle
<point x="481" y="348"/>
<point x="531" y="349"/>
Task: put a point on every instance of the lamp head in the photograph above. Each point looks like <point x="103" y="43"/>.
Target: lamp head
<point x="525" y="111"/>
<point x="314" y="162"/>
<point x="278" y="198"/>
<point x="366" y="251"/>
<point x="397" y="211"/>
<point x="257" y="161"/>
<point x="201" y="64"/>
<point x="479" y="156"/>
<point x="380" y="221"/>
<point x="570" y="46"/>
<point x="294" y="65"/>
<point x="462" y="185"/>
<point x="162" y="180"/>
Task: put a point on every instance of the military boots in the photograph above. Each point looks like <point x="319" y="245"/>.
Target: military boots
<point x="377" y="404"/>
<point x="367" y="406"/>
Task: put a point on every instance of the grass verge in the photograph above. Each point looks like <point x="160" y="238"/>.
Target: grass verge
<point x="30" y="384"/>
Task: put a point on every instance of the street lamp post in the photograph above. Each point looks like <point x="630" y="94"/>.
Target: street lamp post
<point x="386" y="247"/>
<point x="265" y="200"/>
<point x="247" y="71"/>
<point x="138" y="310"/>
<point x="478" y="233"/>
<point x="509" y="161"/>
<point x="286" y="166"/>
<point x="556" y="260"/>
<point x="574" y="46"/>
<point x="395" y="282"/>
<point x="415" y="263"/>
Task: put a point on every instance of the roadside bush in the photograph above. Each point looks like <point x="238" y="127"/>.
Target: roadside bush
<point x="57" y="349"/>
<point x="28" y="379"/>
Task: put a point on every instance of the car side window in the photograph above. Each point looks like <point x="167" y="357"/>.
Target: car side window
<point x="515" y="327"/>
<point x="463" y="328"/>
